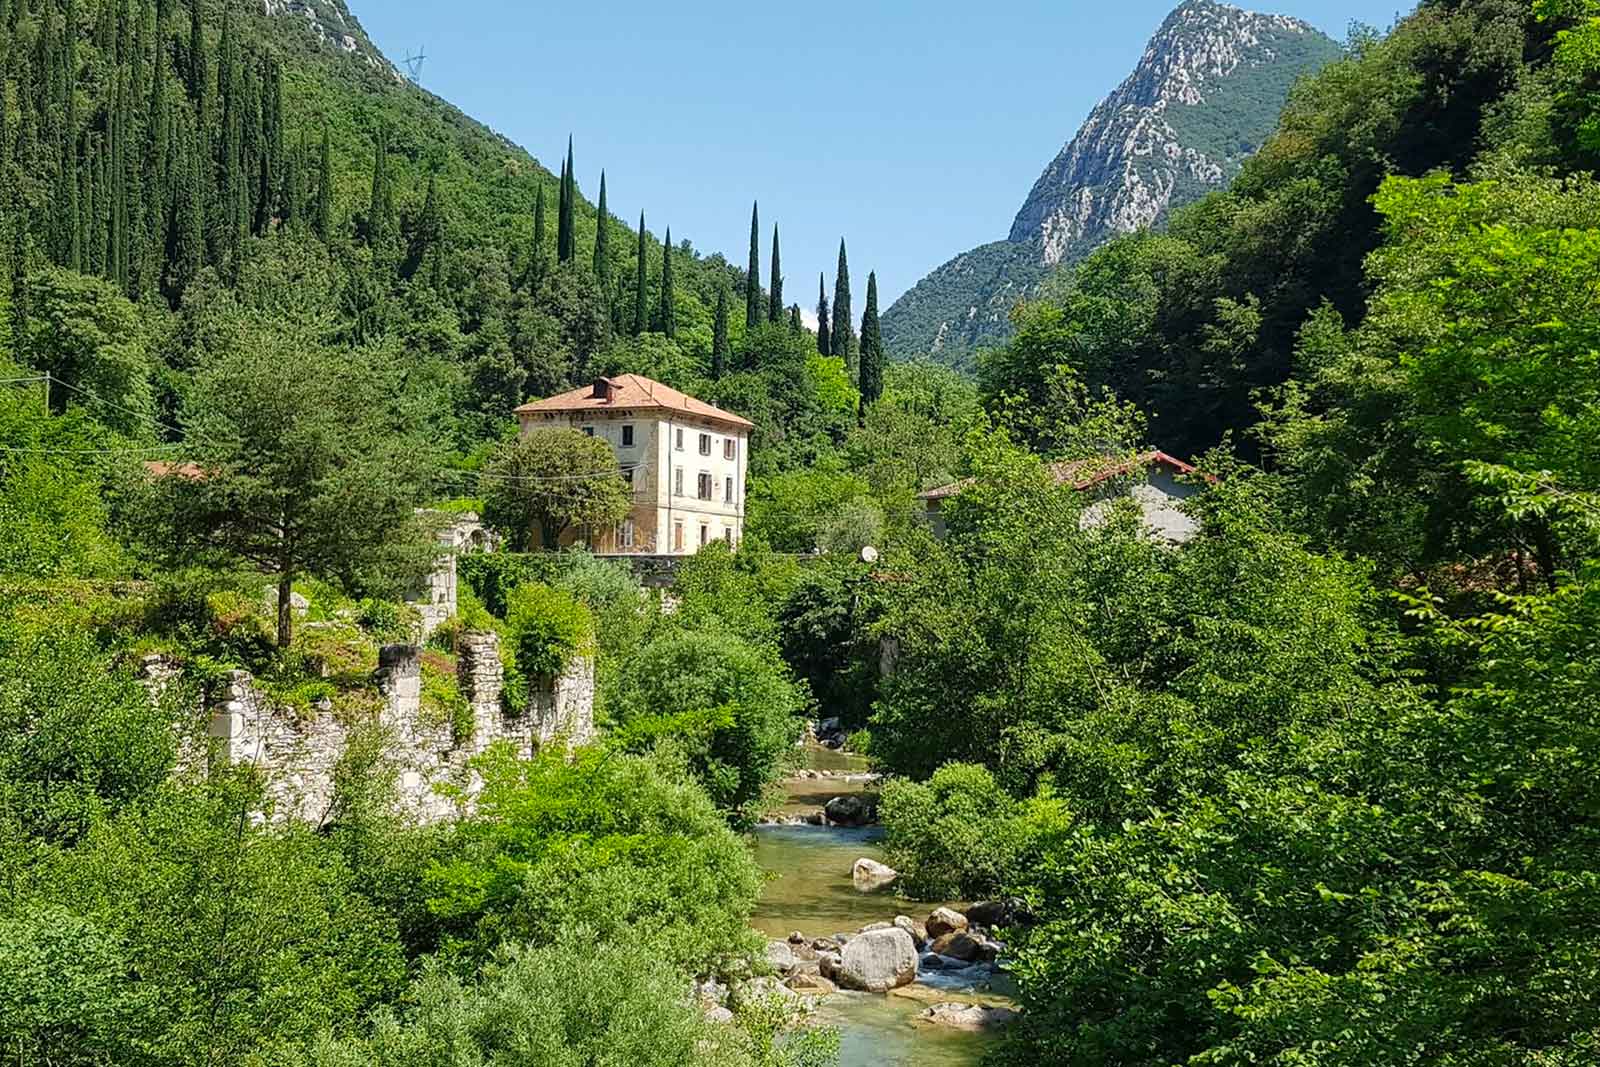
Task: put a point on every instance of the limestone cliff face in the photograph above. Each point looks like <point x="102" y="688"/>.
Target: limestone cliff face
<point x="1205" y="94"/>
<point x="333" y="25"/>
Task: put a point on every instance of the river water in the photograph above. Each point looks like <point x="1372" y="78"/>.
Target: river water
<point x="810" y="891"/>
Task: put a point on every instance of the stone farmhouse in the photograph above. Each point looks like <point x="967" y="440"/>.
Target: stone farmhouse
<point x="685" y="459"/>
<point x="1159" y="483"/>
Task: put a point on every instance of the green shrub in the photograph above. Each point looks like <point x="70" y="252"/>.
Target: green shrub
<point x="493" y="576"/>
<point x="441" y="696"/>
<point x="625" y="846"/>
<point x="547" y="628"/>
<point x="391" y="623"/>
<point x="959" y="835"/>
<point x="727" y="702"/>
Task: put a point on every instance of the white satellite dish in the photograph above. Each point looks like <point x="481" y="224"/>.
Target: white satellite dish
<point x="869" y="555"/>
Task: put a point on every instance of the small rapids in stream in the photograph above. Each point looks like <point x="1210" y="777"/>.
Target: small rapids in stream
<point x="812" y="893"/>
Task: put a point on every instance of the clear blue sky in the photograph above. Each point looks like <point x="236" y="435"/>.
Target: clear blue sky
<point x="913" y="128"/>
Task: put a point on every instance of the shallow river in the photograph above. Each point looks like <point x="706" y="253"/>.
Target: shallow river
<point x="811" y="892"/>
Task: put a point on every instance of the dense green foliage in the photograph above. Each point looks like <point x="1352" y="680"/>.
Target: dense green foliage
<point x="1316" y="787"/>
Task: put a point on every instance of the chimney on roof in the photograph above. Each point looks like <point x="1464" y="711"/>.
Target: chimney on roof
<point x="603" y="388"/>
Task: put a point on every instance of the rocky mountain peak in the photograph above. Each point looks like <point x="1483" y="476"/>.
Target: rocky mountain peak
<point x="1175" y="124"/>
<point x="1205" y="94"/>
<point x="333" y="26"/>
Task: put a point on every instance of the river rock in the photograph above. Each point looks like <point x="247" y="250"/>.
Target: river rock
<point x="710" y="992"/>
<point x="760" y="990"/>
<point x="828" y="965"/>
<point x="810" y="985"/>
<point x="875" y="926"/>
<point x="992" y="913"/>
<point x="971" y="1017"/>
<point x="870" y="876"/>
<point x="945" y="921"/>
<point x="932" y="961"/>
<point x="848" y="810"/>
<point x="918" y="932"/>
<point x="718" y="1014"/>
<point x="877" y="961"/>
<point x="959" y="945"/>
<point x="781" y="956"/>
<point x="829" y="727"/>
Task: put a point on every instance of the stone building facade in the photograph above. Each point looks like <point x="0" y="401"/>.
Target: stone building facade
<point x="685" y="459"/>
<point x="299" y="753"/>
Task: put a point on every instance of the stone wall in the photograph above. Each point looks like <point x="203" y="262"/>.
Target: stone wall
<point x="438" y="597"/>
<point x="300" y="752"/>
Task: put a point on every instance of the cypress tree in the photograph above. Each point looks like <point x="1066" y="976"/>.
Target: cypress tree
<point x="324" y="212"/>
<point x="639" y="288"/>
<point x="567" y="238"/>
<point x="824" y="341"/>
<point x="93" y="232"/>
<point x="73" y="211"/>
<point x="719" y="336"/>
<point x="289" y="195"/>
<point x="843" y="342"/>
<point x="105" y="29"/>
<point x="871" y="348"/>
<point x="189" y="249"/>
<point x="536" y="265"/>
<point x="669" y="310"/>
<point x="752" y="284"/>
<point x="378" y="209"/>
<point x="561" y="212"/>
<point x="796" y="327"/>
<point x="602" y="244"/>
<point x="21" y="334"/>
<point x="775" y="284"/>
<point x="199" y="74"/>
<point x="70" y="72"/>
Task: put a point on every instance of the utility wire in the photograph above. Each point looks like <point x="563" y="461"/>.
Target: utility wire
<point x="112" y="404"/>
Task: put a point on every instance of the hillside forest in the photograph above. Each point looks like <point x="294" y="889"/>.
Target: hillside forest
<point x="1317" y="788"/>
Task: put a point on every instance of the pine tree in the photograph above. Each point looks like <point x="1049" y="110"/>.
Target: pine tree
<point x="775" y="284"/>
<point x="602" y="244"/>
<point x="639" y="298"/>
<point x="752" y="284"/>
<point x="536" y="265"/>
<point x="871" y="348"/>
<point x="567" y="237"/>
<point x="843" y="343"/>
<point x="824" y="341"/>
<point x="720" y="350"/>
<point x="668" y="318"/>
<point x="324" y="212"/>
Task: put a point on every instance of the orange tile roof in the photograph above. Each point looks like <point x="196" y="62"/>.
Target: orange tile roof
<point x="162" y="468"/>
<point x="633" y="392"/>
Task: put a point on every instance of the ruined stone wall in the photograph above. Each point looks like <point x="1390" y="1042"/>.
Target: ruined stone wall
<point x="299" y="752"/>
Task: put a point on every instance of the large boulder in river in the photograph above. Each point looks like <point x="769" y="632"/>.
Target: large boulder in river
<point x="959" y="945"/>
<point x="972" y="1017"/>
<point x="870" y="876"/>
<point x="945" y="921"/>
<point x="877" y="961"/>
<point x="851" y="809"/>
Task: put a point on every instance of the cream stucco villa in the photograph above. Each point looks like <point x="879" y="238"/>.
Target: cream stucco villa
<point x="685" y="459"/>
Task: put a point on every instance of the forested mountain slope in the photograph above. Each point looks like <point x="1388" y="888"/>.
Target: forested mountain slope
<point x="164" y="146"/>
<point x="1205" y="94"/>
